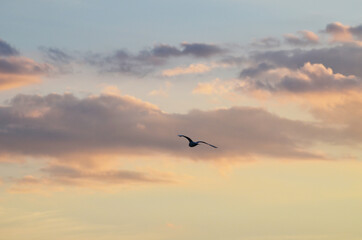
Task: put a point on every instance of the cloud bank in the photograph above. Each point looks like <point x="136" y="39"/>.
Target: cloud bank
<point x="66" y="127"/>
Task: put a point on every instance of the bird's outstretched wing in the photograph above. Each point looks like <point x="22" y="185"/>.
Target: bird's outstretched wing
<point x="185" y="137"/>
<point x="207" y="144"/>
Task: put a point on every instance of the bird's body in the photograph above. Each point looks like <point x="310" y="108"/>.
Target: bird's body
<point x="194" y="144"/>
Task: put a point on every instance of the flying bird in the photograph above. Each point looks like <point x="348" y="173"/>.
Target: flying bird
<point x="193" y="144"/>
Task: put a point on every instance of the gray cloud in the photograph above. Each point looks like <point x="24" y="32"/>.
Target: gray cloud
<point x="6" y="49"/>
<point x="254" y="71"/>
<point x="357" y="31"/>
<point x="123" y="62"/>
<point x="201" y="49"/>
<point x="22" y="66"/>
<point x="63" y="125"/>
<point x="56" y="55"/>
<point x="165" y="51"/>
<point x="268" y="42"/>
<point x="342" y="59"/>
<point x="146" y="60"/>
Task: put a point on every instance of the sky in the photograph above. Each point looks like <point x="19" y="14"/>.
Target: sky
<point x="93" y="96"/>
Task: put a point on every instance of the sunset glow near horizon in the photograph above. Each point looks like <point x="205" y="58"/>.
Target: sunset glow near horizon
<point x="93" y="96"/>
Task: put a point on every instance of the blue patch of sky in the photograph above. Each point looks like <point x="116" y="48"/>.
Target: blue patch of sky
<point x="113" y="24"/>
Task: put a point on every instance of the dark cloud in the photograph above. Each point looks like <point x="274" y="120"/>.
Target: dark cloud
<point x="63" y="125"/>
<point x="6" y="49"/>
<point x="201" y="49"/>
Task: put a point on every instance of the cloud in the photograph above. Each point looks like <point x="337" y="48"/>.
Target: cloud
<point x="341" y="33"/>
<point x="56" y="55"/>
<point x="268" y="42"/>
<point x="201" y="49"/>
<point x="342" y="59"/>
<point x="6" y="49"/>
<point x="21" y="66"/>
<point x="194" y="49"/>
<point x="58" y="175"/>
<point x="69" y="128"/>
<point x="145" y="61"/>
<point x="191" y="69"/>
<point x="20" y="71"/>
<point x="256" y="70"/>
<point x="303" y="38"/>
<point x="16" y="71"/>
<point x="311" y="78"/>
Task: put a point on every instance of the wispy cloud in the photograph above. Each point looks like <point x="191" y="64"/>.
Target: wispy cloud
<point x="54" y="176"/>
<point x="121" y="61"/>
<point x="268" y="42"/>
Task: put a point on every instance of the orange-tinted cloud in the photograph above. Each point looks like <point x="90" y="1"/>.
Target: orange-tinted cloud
<point x="311" y="78"/>
<point x="344" y="33"/>
<point x="303" y="38"/>
<point x="16" y="71"/>
<point x="191" y="69"/>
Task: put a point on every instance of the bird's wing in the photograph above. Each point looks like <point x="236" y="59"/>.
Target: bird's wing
<point x="186" y="137"/>
<point x="207" y="144"/>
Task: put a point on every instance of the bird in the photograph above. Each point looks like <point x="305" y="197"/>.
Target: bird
<point x="194" y="144"/>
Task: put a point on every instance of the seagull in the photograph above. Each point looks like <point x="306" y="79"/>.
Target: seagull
<point x="193" y="144"/>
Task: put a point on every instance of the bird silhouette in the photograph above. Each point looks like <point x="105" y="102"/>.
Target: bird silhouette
<point x="194" y="144"/>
